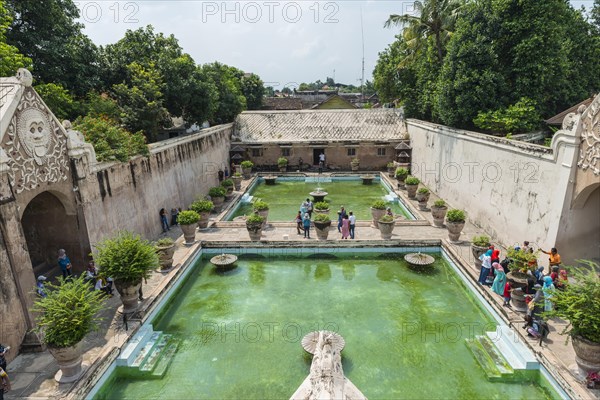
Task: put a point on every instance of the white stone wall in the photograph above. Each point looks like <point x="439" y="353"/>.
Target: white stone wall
<point x="513" y="190"/>
<point x="128" y="196"/>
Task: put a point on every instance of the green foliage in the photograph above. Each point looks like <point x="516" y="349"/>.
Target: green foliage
<point x="423" y="190"/>
<point x="390" y="164"/>
<point x="255" y="219"/>
<point x="229" y="98"/>
<point x="481" y="241"/>
<point x="411" y="181"/>
<point x="59" y="100"/>
<point x="217" y="191"/>
<point x="439" y="203"/>
<point x="102" y="105"/>
<point x="201" y="206"/>
<point x="455" y="215"/>
<point x="522" y="260"/>
<point x="578" y="303"/>
<point x="227" y="183"/>
<point x="126" y="257"/>
<point x="165" y="242"/>
<point x="282" y="161"/>
<point x="188" y="217"/>
<point x="322" y="218"/>
<point x="386" y="219"/>
<point x="260" y="205"/>
<point x="247" y="164"/>
<point x="141" y="100"/>
<point x="10" y="57"/>
<point x="517" y="118"/>
<point x="401" y="173"/>
<point x="253" y="90"/>
<point x="321" y="205"/>
<point x="110" y="141"/>
<point x="69" y="312"/>
<point x="237" y="175"/>
<point x="379" y="205"/>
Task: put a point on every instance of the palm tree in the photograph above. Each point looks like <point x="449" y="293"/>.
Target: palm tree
<point x="431" y="18"/>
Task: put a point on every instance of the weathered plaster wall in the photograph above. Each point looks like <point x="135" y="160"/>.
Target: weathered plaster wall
<point x="515" y="191"/>
<point x="580" y="230"/>
<point x="128" y="196"/>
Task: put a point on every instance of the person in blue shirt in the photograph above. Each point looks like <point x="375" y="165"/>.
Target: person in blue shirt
<point x="64" y="263"/>
<point x="306" y="222"/>
<point x="40" y="289"/>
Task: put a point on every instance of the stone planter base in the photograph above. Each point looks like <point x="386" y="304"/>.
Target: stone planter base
<point x="518" y="300"/>
<point x="218" y="203"/>
<point x="265" y="214"/>
<point x="411" y="191"/>
<point x="204" y="219"/>
<point x="423" y="205"/>
<point x="376" y="214"/>
<point x="69" y="361"/>
<point x="322" y="230"/>
<point x="454" y="230"/>
<point x="165" y="256"/>
<point x="129" y="296"/>
<point x="438" y="215"/>
<point x="247" y="173"/>
<point x="189" y="233"/>
<point x="237" y="183"/>
<point x="354" y="167"/>
<point x="386" y="229"/>
<point x="587" y="354"/>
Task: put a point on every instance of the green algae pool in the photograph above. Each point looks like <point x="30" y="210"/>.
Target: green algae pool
<point x="286" y="196"/>
<point x="240" y="331"/>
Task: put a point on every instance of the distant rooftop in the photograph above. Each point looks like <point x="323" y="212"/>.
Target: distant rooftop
<point x="318" y="125"/>
<point x="558" y="118"/>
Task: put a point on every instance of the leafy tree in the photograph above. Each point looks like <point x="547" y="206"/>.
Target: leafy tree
<point x="102" y="105"/>
<point x="435" y="18"/>
<point x="596" y="13"/>
<point x="59" y="100"/>
<point x="141" y="101"/>
<point x="253" y="90"/>
<point x="230" y="99"/>
<point x="10" y="57"/>
<point x="517" y="118"/>
<point x="111" y="142"/>
<point x="286" y="90"/>
<point x="47" y="32"/>
<point x="269" y="91"/>
<point x="387" y="74"/>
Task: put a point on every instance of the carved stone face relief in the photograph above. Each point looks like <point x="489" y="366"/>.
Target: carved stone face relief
<point x="34" y="133"/>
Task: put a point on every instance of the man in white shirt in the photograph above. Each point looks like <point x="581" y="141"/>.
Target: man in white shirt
<point x="321" y="162"/>
<point x="352" y="219"/>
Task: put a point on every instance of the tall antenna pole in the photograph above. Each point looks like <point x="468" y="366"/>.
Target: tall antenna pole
<point x="362" y="79"/>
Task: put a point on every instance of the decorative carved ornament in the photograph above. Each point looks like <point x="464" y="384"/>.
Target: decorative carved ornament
<point x="35" y="146"/>
<point x="589" y="149"/>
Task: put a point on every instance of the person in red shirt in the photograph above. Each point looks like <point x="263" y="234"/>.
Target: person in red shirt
<point x="507" y="290"/>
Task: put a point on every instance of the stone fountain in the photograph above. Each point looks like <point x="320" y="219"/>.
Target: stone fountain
<point x="318" y="194"/>
<point x="419" y="260"/>
<point x="224" y="261"/>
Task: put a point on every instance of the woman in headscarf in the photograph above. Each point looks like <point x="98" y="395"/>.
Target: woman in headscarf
<point x="486" y="265"/>
<point x="495" y="256"/>
<point x="64" y="263"/>
<point x="499" y="280"/>
<point x="548" y="290"/>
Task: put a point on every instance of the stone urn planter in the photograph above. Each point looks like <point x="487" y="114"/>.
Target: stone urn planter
<point x="479" y="245"/>
<point x="218" y="203"/>
<point x="237" y="182"/>
<point x="401" y="174"/>
<point x="587" y="354"/>
<point x="247" y="169"/>
<point x="129" y="295"/>
<point x="412" y="184"/>
<point x="386" y="226"/>
<point x="204" y="220"/>
<point x="282" y="163"/>
<point x="423" y="197"/>
<point x="189" y="233"/>
<point x="438" y="212"/>
<point x="454" y="230"/>
<point x="355" y="164"/>
<point x="165" y="253"/>
<point x="377" y="211"/>
<point x="262" y="208"/>
<point x="228" y="186"/>
<point x="69" y="361"/>
<point x="322" y="228"/>
<point x="391" y="170"/>
<point x="254" y="225"/>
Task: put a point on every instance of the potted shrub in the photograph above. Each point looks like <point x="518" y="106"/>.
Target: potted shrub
<point x="455" y="222"/>
<point x="322" y="224"/>
<point x="354" y="164"/>
<point x="165" y="249"/>
<point x="578" y="303"/>
<point x="438" y="212"/>
<point x="479" y="245"/>
<point x="217" y="196"/>
<point x="386" y="226"/>
<point x="262" y="208"/>
<point x="423" y="197"/>
<point x="401" y="174"/>
<point x="321" y="207"/>
<point x="391" y="169"/>
<point x="237" y="180"/>
<point x="203" y="208"/>
<point x="227" y="184"/>
<point x="282" y="163"/>
<point x="412" y="183"/>
<point x="247" y="168"/>
<point x="254" y="224"/>
<point x="65" y="316"/>
<point x="188" y="220"/>
<point x="377" y="211"/>
<point x="127" y="259"/>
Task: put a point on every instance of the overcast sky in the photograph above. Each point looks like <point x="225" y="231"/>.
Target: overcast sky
<point x="284" y="42"/>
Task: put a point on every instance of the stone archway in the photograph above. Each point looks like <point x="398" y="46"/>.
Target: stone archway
<point x="47" y="227"/>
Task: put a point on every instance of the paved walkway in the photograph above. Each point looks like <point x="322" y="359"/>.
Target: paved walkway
<point x="32" y="374"/>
